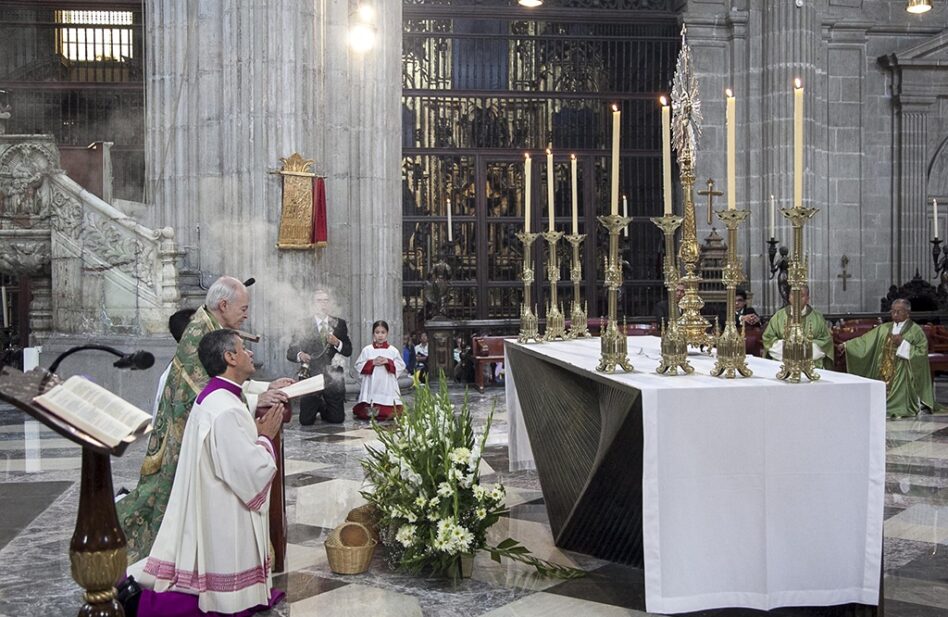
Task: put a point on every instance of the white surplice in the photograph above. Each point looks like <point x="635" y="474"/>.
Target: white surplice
<point x="214" y="539"/>
<point x="380" y="387"/>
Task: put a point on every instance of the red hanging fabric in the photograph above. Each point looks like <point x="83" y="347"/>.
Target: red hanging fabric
<point x="320" y="233"/>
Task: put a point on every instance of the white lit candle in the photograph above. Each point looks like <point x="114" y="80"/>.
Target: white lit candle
<point x="450" y="232"/>
<point x="625" y="213"/>
<point x="527" y="165"/>
<point x="773" y="216"/>
<point x="731" y="168"/>
<point x="572" y="173"/>
<point x="798" y="144"/>
<point x="614" y="196"/>
<point x="3" y="299"/>
<point x="934" y="218"/>
<point x="549" y="183"/>
<point x="666" y="156"/>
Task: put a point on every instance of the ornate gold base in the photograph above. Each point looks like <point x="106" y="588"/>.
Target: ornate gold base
<point x="674" y="352"/>
<point x="693" y="325"/>
<point x="615" y="350"/>
<point x="529" y="332"/>
<point x="732" y="355"/>
<point x="555" y="325"/>
<point x="578" y="327"/>
<point x="797" y="356"/>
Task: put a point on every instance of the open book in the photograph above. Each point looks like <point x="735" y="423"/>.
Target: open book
<point x="306" y="386"/>
<point x="94" y="410"/>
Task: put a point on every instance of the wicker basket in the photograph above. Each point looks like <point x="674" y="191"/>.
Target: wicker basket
<point x="368" y="516"/>
<point x="350" y="547"/>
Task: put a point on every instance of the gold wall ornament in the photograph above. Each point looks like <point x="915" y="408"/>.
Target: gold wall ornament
<point x="578" y="327"/>
<point x="674" y="345"/>
<point x="732" y="355"/>
<point x="614" y="343"/>
<point x="297" y="218"/>
<point x="528" y="319"/>
<point x="797" y="344"/>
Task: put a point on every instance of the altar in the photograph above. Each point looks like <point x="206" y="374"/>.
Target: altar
<point x="729" y="493"/>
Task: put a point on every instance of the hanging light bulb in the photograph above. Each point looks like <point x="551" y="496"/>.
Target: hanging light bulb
<point x="918" y="6"/>
<point x="530" y="3"/>
<point x="362" y="32"/>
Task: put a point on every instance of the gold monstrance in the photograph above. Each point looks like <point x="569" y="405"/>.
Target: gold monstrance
<point x="686" y="130"/>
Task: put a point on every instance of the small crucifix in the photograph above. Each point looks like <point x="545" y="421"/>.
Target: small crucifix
<point x="711" y="193"/>
<point x="844" y="262"/>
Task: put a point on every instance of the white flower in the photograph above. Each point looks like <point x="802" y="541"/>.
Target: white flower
<point x="480" y="493"/>
<point x="467" y="480"/>
<point x="406" y="535"/>
<point x="421" y="501"/>
<point x="433" y="503"/>
<point x="480" y="513"/>
<point x="445" y="489"/>
<point x="459" y="456"/>
<point x="474" y="458"/>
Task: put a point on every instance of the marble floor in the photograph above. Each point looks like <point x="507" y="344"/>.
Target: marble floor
<point x="39" y="494"/>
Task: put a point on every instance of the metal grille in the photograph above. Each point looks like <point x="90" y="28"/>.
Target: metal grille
<point x="77" y="75"/>
<point x="482" y="85"/>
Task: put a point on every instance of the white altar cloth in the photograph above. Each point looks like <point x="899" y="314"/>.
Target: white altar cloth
<point x="756" y="493"/>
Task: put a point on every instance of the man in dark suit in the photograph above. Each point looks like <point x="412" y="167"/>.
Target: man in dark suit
<point x="661" y="307"/>
<point x="743" y="313"/>
<point x="320" y="339"/>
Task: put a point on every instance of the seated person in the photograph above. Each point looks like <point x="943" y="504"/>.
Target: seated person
<point x="463" y="361"/>
<point x="379" y="365"/>
<point x="813" y="323"/>
<point x="421" y="355"/>
<point x="896" y="353"/>
<point x="408" y="353"/>
<point x="212" y="549"/>
<point x="744" y="314"/>
<point x="661" y="307"/>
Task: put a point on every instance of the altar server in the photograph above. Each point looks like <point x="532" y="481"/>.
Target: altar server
<point x="379" y="366"/>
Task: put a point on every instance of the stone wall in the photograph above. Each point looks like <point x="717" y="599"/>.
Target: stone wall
<point x="233" y="87"/>
<point x="867" y="213"/>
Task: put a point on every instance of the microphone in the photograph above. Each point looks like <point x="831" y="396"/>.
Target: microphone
<point x="250" y="282"/>
<point x="137" y="360"/>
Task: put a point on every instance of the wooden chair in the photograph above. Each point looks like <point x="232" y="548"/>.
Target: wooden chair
<point x="487" y="351"/>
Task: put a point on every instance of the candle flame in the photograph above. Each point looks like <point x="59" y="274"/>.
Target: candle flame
<point x="797" y="83"/>
<point x="729" y="93"/>
<point x="663" y="101"/>
<point x="572" y="157"/>
<point x="615" y="108"/>
<point x="548" y="151"/>
<point x="526" y="155"/>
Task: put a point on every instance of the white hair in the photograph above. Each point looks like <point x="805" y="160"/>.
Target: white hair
<point x="224" y="288"/>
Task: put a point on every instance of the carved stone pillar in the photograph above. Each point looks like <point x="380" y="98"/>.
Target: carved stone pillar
<point x="233" y="87"/>
<point x="912" y="219"/>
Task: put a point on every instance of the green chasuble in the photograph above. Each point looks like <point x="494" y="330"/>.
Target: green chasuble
<point x="814" y="324"/>
<point x="907" y="382"/>
<point x="141" y="511"/>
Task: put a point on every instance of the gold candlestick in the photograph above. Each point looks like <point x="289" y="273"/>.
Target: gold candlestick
<point x="732" y="355"/>
<point x="614" y="343"/>
<point x="578" y="327"/>
<point x="555" y="320"/>
<point x="692" y="323"/>
<point x="528" y="320"/>
<point x="674" y="345"/>
<point x="797" y="344"/>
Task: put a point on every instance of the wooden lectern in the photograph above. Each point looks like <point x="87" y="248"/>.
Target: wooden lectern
<point x="97" y="551"/>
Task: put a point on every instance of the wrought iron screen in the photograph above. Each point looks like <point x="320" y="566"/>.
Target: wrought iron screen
<point x="485" y="82"/>
<point x="77" y="75"/>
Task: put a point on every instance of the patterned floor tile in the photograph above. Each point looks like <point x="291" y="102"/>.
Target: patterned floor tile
<point x="553" y="605"/>
<point x="357" y="601"/>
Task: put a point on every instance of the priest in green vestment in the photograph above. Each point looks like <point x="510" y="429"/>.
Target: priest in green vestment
<point x="141" y="511"/>
<point x="896" y="353"/>
<point x="814" y="324"/>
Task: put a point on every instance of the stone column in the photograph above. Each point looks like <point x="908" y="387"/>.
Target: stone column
<point x="911" y="218"/>
<point x="234" y="86"/>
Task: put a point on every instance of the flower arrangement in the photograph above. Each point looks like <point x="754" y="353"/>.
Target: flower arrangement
<point x="425" y="484"/>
